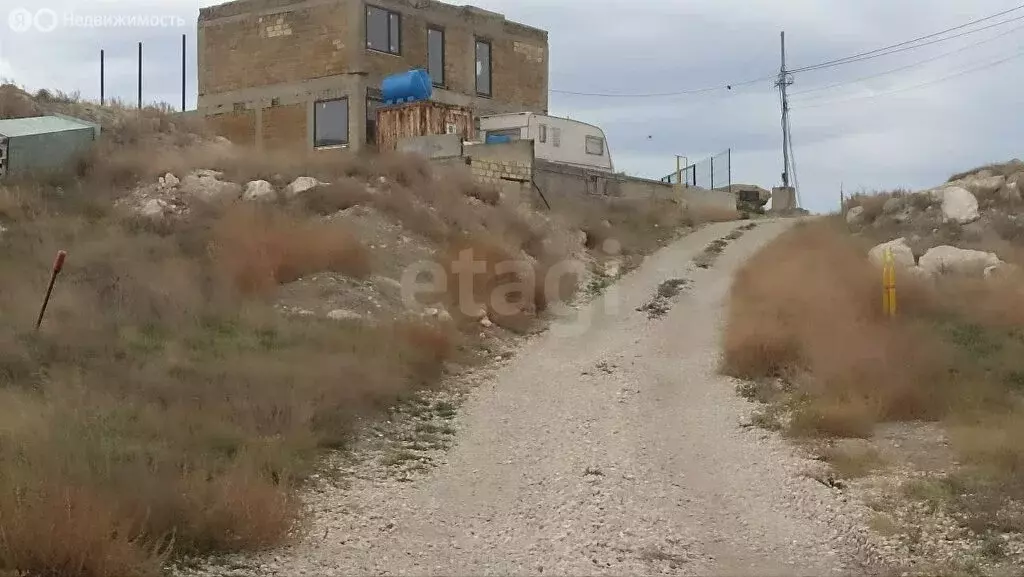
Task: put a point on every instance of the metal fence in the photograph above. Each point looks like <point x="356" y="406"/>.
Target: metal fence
<point x="712" y="172"/>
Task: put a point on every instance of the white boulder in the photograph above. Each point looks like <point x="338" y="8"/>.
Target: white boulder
<point x="982" y="184"/>
<point x="958" y="204"/>
<point x="901" y="253"/>
<point x="952" y="260"/>
<point x="207" y="186"/>
<point x="300" y="185"/>
<point x="893" y="205"/>
<point x="169" y="181"/>
<point x="152" y="209"/>
<point x="855" y="216"/>
<point x="1010" y="192"/>
<point x="259" y="191"/>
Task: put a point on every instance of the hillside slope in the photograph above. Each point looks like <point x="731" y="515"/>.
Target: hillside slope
<point x="227" y="317"/>
<point x="919" y="416"/>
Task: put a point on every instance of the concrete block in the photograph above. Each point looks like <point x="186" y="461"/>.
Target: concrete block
<point x="433" y="146"/>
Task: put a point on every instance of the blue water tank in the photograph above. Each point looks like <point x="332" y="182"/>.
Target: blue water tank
<point x="414" y="85"/>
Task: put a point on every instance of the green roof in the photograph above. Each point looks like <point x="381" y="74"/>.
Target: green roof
<point x="14" y="127"/>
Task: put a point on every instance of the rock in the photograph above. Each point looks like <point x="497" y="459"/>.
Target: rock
<point x="996" y="271"/>
<point x="152" y="209"/>
<point x="444" y="316"/>
<point x="205" y="185"/>
<point x="486" y="323"/>
<point x="855" y="216"/>
<point x="958" y="204"/>
<point x="478" y="314"/>
<point x="259" y="191"/>
<point x="982" y="184"/>
<point x="952" y="260"/>
<point x="893" y="205"/>
<point x="344" y="315"/>
<point x="300" y="185"/>
<point x="207" y="173"/>
<point x="901" y="253"/>
<point x="1010" y="192"/>
<point x="169" y="181"/>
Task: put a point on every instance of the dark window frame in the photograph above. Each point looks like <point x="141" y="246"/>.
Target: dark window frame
<point x="348" y="122"/>
<point x="590" y="138"/>
<point x="444" y="61"/>
<point x="389" y="14"/>
<point x="380" y="103"/>
<point x="490" y="67"/>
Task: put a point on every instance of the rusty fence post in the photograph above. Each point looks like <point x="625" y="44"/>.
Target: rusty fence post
<point x="58" y="265"/>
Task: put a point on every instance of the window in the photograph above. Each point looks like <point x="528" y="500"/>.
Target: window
<point x="595" y="145"/>
<point x="372" y="104"/>
<point x="556" y="136"/>
<point x="330" y="123"/>
<point x="435" y="55"/>
<point x="483" y="68"/>
<point x="543" y="136"/>
<point x="383" y="30"/>
<point x="511" y="133"/>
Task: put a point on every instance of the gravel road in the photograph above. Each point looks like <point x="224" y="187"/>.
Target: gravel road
<point x="609" y="445"/>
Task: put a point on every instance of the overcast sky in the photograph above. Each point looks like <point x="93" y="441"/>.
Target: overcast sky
<point x="871" y="134"/>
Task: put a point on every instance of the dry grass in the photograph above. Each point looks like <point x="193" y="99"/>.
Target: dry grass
<point x="260" y="248"/>
<point x="165" y="408"/>
<point x="853" y="461"/>
<point x="997" y="169"/>
<point x="807" y="308"/>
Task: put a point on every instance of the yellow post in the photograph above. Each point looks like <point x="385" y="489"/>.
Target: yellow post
<point x="889" y="284"/>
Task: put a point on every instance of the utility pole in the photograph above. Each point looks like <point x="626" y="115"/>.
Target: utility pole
<point x="785" y="80"/>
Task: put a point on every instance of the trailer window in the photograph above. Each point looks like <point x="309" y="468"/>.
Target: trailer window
<point x="556" y="136"/>
<point x="511" y="133"/>
<point x="595" y="146"/>
<point x="543" y="136"/>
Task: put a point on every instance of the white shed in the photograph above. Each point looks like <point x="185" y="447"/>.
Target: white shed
<point x="556" y="139"/>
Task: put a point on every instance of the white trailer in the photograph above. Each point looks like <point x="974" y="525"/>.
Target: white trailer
<point x="555" y="139"/>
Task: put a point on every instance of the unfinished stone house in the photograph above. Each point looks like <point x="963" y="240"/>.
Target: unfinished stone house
<point x="307" y="73"/>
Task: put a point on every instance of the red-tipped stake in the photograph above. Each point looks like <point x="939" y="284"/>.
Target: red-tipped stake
<point x="58" y="265"/>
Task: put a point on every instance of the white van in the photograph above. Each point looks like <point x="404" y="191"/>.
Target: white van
<point x="555" y="139"/>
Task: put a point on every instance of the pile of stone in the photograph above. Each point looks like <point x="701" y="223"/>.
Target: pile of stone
<point x="966" y="206"/>
<point x="171" y="197"/>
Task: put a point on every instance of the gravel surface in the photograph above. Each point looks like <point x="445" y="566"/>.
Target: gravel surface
<point x="607" y="445"/>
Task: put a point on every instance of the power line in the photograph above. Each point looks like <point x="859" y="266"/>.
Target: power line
<point x="922" y="85"/>
<point x="912" y="44"/>
<point x="663" y="94"/>
<point x="912" y="65"/>
<point x="879" y="52"/>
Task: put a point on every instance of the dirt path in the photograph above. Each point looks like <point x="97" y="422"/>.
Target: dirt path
<point x="608" y="446"/>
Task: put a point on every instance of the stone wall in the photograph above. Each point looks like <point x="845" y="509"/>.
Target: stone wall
<point x="501" y="163"/>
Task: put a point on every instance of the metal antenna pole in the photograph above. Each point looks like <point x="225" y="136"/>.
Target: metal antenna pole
<point x="140" y="75"/>
<point x="183" y="70"/>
